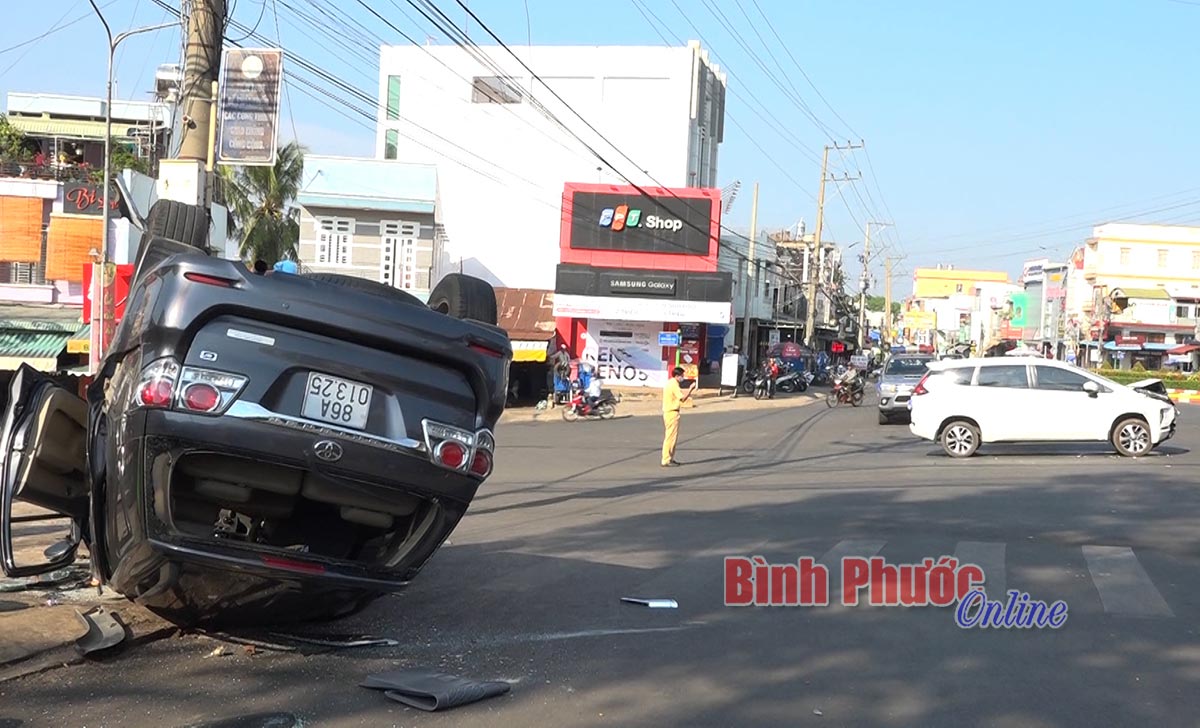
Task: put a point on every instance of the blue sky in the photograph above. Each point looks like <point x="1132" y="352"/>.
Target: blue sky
<point x="995" y="132"/>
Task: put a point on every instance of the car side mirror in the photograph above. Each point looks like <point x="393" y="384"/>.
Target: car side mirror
<point x="1091" y="388"/>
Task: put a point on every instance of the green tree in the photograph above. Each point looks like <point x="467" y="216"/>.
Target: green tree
<point x="14" y="146"/>
<point x="121" y="157"/>
<point x="876" y="303"/>
<point x="260" y="199"/>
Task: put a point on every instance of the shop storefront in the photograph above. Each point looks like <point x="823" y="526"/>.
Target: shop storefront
<point x="637" y="290"/>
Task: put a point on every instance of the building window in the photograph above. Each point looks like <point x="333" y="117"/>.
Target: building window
<point x="391" y="142"/>
<point x="335" y="238"/>
<point x="494" y="90"/>
<point x="393" y="98"/>
<point x="1156" y="338"/>
<point x="1124" y="256"/>
<point x="1162" y="257"/>
<point x="398" y="254"/>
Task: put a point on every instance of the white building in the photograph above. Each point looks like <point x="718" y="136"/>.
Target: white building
<point x="502" y="161"/>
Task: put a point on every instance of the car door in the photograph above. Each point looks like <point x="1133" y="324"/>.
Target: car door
<point x="43" y="462"/>
<point x="1000" y="402"/>
<point x="1064" y="410"/>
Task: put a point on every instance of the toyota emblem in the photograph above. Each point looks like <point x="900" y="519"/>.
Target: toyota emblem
<point x="328" y="450"/>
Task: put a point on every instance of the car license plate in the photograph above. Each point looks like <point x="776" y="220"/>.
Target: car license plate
<point x="337" y="401"/>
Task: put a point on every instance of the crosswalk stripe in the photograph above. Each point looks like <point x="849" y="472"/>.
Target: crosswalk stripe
<point x="989" y="556"/>
<point x="833" y="561"/>
<point x="1124" y="586"/>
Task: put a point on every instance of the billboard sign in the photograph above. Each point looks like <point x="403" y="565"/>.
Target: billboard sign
<point x="636" y="223"/>
<point x="248" y="106"/>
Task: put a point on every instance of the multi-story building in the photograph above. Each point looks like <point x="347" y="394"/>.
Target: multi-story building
<point x="1139" y="287"/>
<point x="956" y="303"/>
<point x="502" y="155"/>
<point x="371" y="219"/>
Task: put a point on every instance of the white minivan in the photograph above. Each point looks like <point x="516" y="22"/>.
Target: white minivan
<point x="963" y="403"/>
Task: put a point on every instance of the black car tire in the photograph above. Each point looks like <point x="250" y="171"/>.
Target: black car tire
<point x="960" y="438"/>
<point x="464" y="297"/>
<point x="1131" y="437"/>
<point x="884" y="418"/>
<point x="178" y="221"/>
<point x="365" y="285"/>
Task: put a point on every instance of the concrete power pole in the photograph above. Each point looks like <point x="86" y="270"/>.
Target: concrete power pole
<point x="750" y="279"/>
<point x="810" y="319"/>
<point x="866" y="282"/>
<point x="887" y="302"/>
<point x="202" y="66"/>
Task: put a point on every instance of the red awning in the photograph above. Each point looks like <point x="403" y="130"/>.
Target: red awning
<point x="1185" y="349"/>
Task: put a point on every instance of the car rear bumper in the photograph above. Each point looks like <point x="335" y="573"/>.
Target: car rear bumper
<point x="367" y="473"/>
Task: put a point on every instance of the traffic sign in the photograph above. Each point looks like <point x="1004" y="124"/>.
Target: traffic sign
<point x="668" y="338"/>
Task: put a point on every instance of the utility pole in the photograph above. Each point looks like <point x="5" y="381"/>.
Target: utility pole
<point x="887" y="301"/>
<point x="202" y="66"/>
<point x="810" y="320"/>
<point x="750" y="280"/>
<point x="866" y="282"/>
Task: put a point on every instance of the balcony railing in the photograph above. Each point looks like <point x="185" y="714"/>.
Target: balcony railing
<point x="54" y="172"/>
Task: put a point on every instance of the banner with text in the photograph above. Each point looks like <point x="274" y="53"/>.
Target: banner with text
<point x="625" y="353"/>
<point x="249" y="106"/>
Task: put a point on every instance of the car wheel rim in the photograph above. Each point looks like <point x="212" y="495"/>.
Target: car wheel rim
<point x="959" y="440"/>
<point x="1135" y="438"/>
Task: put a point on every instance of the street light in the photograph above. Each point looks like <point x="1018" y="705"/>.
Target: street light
<point x="98" y="281"/>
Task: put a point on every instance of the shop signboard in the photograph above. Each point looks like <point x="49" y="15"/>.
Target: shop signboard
<point x="625" y="353"/>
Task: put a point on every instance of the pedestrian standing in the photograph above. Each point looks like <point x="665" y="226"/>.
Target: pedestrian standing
<point x="673" y="399"/>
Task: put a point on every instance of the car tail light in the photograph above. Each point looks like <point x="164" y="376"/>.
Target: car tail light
<point x="920" y="388"/>
<point x="210" y="280"/>
<point x="208" y="391"/>
<point x="451" y="454"/>
<point x="164" y="384"/>
<point x="156" y="389"/>
<point x="201" y="397"/>
<point x="486" y="351"/>
<point x="481" y="465"/>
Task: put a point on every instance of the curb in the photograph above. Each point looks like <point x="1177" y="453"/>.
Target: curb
<point x="1184" y="396"/>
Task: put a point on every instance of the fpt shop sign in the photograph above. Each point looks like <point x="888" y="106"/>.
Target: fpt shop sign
<point x="635" y="223"/>
<point x="625" y="353"/>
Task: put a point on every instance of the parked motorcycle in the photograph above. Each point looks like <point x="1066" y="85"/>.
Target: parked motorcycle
<point x="793" y="381"/>
<point x="843" y="394"/>
<point x="605" y="407"/>
<point x="749" y="380"/>
<point x="762" y="387"/>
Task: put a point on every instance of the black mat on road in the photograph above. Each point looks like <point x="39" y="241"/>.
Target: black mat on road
<point x="432" y="691"/>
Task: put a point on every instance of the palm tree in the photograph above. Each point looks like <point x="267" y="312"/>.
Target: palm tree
<point x="260" y="199"/>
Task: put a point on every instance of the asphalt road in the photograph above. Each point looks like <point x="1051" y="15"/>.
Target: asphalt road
<point x="580" y="515"/>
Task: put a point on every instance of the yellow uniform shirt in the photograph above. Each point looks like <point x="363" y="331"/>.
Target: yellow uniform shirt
<point x="672" y="396"/>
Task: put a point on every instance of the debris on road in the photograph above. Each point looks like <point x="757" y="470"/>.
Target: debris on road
<point x="431" y="691"/>
<point x="652" y="603"/>
<point x="817" y="712"/>
<point x="219" y="652"/>
<point x="256" y="720"/>
<point x="104" y="631"/>
<point x="339" y="641"/>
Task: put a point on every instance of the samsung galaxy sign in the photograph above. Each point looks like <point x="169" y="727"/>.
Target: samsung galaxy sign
<point x="641" y="224"/>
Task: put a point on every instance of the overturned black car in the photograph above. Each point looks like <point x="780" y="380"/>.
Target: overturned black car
<point x="262" y="448"/>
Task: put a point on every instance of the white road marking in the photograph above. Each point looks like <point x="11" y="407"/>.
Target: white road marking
<point x="833" y="561"/>
<point x="1124" y="586"/>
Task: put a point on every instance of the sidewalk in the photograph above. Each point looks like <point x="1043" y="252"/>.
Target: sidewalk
<point x="41" y="617"/>
<point x="642" y="402"/>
